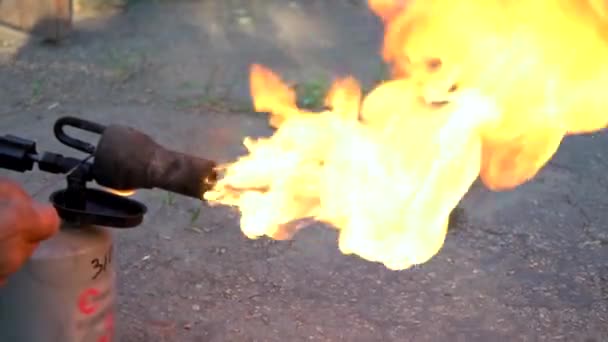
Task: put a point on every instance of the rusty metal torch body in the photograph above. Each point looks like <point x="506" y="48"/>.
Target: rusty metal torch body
<point x="126" y="159"/>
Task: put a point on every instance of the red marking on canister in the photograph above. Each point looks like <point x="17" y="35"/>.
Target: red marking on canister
<point x="85" y="301"/>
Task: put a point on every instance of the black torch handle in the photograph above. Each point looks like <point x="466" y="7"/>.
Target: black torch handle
<point x="89" y="126"/>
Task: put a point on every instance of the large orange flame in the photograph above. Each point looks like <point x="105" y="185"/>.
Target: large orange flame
<point x="483" y="88"/>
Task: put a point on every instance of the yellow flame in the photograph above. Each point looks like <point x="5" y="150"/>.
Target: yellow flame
<point x="123" y="193"/>
<point x="483" y="88"/>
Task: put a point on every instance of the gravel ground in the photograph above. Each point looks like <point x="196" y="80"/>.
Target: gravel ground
<point x="526" y="265"/>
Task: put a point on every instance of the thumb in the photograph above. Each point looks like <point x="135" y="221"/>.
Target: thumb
<point x="45" y="224"/>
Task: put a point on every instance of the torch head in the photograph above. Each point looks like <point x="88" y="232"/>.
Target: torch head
<point x="123" y="159"/>
<point x="126" y="159"/>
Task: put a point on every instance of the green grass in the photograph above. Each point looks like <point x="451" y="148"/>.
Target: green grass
<point x="170" y="199"/>
<point x="124" y="65"/>
<point x="36" y="90"/>
<point x="311" y="94"/>
<point x="195" y="213"/>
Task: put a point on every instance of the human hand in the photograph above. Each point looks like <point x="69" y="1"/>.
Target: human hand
<point x="23" y="225"/>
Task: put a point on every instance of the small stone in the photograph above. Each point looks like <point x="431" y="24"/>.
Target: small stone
<point x="196" y="229"/>
<point x="244" y="21"/>
<point x="187" y="326"/>
<point x="196" y="307"/>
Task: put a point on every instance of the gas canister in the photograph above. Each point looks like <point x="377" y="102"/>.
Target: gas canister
<point x="66" y="290"/>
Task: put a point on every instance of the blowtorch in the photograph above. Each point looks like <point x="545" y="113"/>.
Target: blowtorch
<point x="66" y="291"/>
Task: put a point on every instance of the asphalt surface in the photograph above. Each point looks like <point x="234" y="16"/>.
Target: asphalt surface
<point x="526" y="265"/>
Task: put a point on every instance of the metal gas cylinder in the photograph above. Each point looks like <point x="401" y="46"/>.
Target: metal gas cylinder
<point x="65" y="293"/>
<point x="66" y="290"/>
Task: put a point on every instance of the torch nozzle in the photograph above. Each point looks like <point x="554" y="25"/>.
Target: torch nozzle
<point x="126" y="159"/>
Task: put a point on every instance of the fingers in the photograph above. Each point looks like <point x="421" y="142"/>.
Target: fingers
<point x="43" y="223"/>
<point x="36" y="222"/>
<point x="23" y="224"/>
<point x="10" y="190"/>
<point x="30" y="222"/>
<point x="15" y="254"/>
